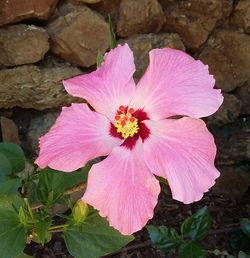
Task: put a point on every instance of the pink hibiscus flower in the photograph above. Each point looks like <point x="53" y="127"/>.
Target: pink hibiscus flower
<point x="129" y="125"/>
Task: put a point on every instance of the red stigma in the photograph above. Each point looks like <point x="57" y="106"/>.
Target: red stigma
<point x="123" y="122"/>
<point x="122" y="108"/>
<point x="131" y="110"/>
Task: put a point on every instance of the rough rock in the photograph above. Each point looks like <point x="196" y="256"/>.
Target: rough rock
<point x="107" y="8"/>
<point x="243" y="93"/>
<point x="241" y="15"/>
<point x="233" y="143"/>
<point x="228" y="111"/>
<point x="89" y="1"/>
<point x="39" y="125"/>
<point x="15" y="10"/>
<point x="38" y="87"/>
<point x="6" y="112"/>
<point x="231" y="182"/>
<point x="227" y="52"/>
<point x="142" y="44"/>
<point x="9" y="131"/>
<point x="22" y="44"/>
<point x="77" y="34"/>
<point x="194" y="20"/>
<point x="141" y="16"/>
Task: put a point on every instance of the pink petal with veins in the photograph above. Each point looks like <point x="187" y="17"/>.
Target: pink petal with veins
<point x="183" y="152"/>
<point x="122" y="188"/>
<point x="110" y="86"/>
<point x="176" y="84"/>
<point x="78" y="136"/>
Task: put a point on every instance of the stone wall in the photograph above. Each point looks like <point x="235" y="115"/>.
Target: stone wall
<point x="43" y="42"/>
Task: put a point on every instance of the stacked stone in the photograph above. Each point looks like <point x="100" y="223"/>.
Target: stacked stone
<point x="43" y="42"/>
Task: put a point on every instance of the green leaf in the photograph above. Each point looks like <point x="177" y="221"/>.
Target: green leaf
<point x="112" y="38"/>
<point x="14" y="154"/>
<point x="93" y="238"/>
<point x="77" y="177"/>
<point x="25" y="256"/>
<point x="198" y="225"/>
<point x="5" y="167"/>
<point x="52" y="183"/>
<point x="7" y="202"/>
<point x="99" y="58"/>
<point x="24" y="216"/>
<point x="245" y="226"/>
<point x="12" y="232"/>
<point x="10" y="185"/>
<point x="164" y="238"/>
<point x="191" y="250"/>
<point x="239" y="241"/>
<point x="50" y="186"/>
<point x="41" y="229"/>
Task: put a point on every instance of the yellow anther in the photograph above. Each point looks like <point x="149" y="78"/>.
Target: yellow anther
<point x="126" y="124"/>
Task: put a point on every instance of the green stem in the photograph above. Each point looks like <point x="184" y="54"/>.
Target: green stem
<point x="62" y="226"/>
<point x="32" y="222"/>
<point x="56" y="230"/>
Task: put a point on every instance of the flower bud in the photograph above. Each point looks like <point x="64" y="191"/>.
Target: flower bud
<point x="80" y="212"/>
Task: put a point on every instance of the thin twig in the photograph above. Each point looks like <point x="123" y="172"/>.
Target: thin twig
<point x="77" y="188"/>
<point x="36" y="206"/>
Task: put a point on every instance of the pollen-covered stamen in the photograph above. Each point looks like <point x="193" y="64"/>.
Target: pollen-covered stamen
<point x="125" y="123"/>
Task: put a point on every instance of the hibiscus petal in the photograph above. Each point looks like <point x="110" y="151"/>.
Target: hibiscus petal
<point x="78" y="136"/>
<point x="183" y="152"/>
<point x="110" y="86"/>
<point x="123" y="189"/>
<point x="176" y="84"/>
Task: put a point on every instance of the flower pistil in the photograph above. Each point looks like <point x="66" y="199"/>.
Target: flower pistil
<point x="125" y="123"/>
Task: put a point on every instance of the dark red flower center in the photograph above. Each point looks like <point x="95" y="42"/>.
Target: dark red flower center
<point x="129" y="126"/>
